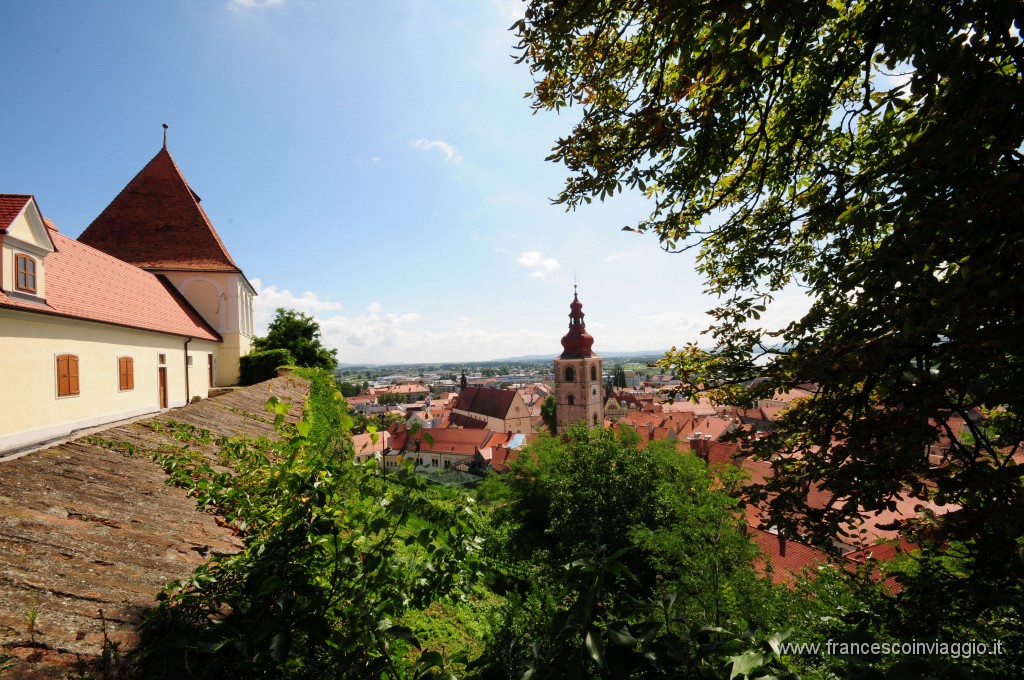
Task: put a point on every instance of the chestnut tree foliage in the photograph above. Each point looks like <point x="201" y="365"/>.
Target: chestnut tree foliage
<point x="868" y="152"/>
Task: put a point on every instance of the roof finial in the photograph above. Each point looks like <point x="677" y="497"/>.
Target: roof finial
<point x="165" y="135"/>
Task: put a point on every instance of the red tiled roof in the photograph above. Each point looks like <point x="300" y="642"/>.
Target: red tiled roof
<point x="722" y="453"/>
<point x="84" y="283"/>
<point x="501" y="457"/>
<point x="760" y="470"/>
<point x="459" y="420"/>
<point x="487" y="401"/>
<point x="156" y="222"/>
<point x="643" y="419"/>
<point x="787" y="557"/>
<point x="11" y="206"/>
<point x="712" y="425"/>
<point x="404" y="389"/>
<point x="883" y="552"/>
<point x="368" y="443"/>
<point x="445" y="440"/>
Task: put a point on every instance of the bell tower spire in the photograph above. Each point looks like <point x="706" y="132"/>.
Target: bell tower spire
<point x="578" y="379"/>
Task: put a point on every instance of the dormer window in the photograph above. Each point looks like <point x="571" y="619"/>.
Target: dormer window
<point x="25" y="273"/>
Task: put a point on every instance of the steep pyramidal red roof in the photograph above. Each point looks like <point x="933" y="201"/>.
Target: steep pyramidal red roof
<point x="156" y="222"/>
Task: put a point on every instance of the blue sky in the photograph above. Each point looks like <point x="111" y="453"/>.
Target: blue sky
<point x="373" y="164"/>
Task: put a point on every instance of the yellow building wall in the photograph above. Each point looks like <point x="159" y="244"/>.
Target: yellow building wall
<point x="31" y="411"/>
<point x="224" y="300"/>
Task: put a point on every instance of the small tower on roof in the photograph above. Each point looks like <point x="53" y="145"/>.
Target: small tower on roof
<point x="157" y="224"/>
<point x="578" y="384"/>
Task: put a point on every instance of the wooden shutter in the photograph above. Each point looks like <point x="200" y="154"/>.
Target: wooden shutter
<point x="126" y="373"/>
<point x="67" y="375"/>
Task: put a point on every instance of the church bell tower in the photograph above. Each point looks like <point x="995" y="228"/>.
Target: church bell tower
<point x="578" y="386"/>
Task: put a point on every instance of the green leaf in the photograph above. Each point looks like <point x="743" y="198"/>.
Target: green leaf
<point x="595" y="650"/>
<point x="430" y="659"/>
<point x="280" y="645"/>
<point x="403" y="633"/>
<point x="271" y="584"/>
<point x="746" y="663"/>
<point x="619" y="635"/>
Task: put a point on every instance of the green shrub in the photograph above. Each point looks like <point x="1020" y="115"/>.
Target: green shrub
<point x="260" y="366"/>
<point x="337" y="557"/>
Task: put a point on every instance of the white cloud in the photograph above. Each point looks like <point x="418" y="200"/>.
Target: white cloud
<point x="369" y="330"/>
<point x="269" y="298"/>
<point x="378" y="336"/>
<point x="534" y="259"/>
<point x="451" y="154"/>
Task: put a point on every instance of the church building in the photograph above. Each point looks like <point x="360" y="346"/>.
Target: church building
<point x="145" y="311"/>
<point x="578" y="386"/>
<point x="157" y="223"/>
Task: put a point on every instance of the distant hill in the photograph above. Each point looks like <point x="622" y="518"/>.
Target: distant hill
<point x="525" y="359"/>
<point x="657" y="353"/>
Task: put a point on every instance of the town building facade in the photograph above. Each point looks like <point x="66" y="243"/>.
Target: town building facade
<point x="491" y="408"/>
<point x="105" y="328"/>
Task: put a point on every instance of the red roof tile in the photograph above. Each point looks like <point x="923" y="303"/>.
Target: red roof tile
<point x="501" y="457"/>
<point x="459" y="420"/>
<point x="788" y="559"/>
<point x="84" y="283"/>
<point x="486" y="401"/>
<point x="445" y="440"/>
<point x="11" y="206"/>
<point x="156" y="222"/>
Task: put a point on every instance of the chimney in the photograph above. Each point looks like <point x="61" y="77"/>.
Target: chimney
<point x="782" y="545"/>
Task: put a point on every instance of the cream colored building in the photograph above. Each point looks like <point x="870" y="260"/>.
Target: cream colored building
<point x="88" y="337"/>
<point x="491" y="408"/>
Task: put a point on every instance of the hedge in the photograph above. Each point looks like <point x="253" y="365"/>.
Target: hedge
<point x="260" y="366"/>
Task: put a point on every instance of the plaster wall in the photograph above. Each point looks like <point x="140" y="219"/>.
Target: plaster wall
<point x="224" y="300"/>
<point x="30" y="409"/>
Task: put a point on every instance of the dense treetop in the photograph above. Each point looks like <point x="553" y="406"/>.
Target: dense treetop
<point x="868" y="152"/>
<point x="298" y="333"/>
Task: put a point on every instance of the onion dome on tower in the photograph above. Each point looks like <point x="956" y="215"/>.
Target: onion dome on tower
<point x="577" y="343"/>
